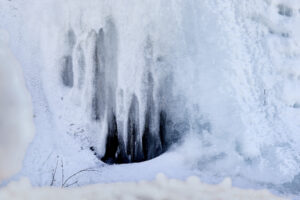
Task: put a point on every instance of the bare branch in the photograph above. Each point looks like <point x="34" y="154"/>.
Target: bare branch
<point x="76" y="182"/>
<point x="62" y="173"/>
<point x="53" y="174"/>
<point x="75" y="174"/>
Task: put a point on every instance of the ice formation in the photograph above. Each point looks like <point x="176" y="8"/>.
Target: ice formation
<point x="209" y="88"/>
<point x="16" y="132"/>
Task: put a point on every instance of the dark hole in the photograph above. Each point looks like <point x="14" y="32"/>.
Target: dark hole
<point x="154" y="142"/>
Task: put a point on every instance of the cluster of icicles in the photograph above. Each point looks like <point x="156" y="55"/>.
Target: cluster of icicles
<point x="141" y="143"/>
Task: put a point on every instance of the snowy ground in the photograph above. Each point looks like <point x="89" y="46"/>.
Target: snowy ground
<point x="160" y="188"/>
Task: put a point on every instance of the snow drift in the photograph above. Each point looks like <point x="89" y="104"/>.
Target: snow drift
<point x="16" y="117"/>
<point x="160" y="188"/>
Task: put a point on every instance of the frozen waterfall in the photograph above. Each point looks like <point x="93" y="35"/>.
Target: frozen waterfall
<point x="202" y="87"/>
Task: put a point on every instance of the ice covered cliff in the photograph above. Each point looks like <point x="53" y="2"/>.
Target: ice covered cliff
<point x="16" y="131"/>
<point x="123" y="81"/>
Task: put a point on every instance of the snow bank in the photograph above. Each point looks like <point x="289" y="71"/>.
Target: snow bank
<point x="161" y="188"/>
<point x="16" y="124"/>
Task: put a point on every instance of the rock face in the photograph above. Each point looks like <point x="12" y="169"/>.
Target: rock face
<point x="16" y="117"/>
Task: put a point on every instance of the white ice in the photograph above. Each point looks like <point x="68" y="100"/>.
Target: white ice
<point x="235" y="90"/>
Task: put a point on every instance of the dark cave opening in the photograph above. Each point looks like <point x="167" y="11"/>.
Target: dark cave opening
<point x="152" y="144"/>
<point x="140" y="143"/>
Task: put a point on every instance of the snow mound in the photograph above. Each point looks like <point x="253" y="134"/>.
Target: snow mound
<point x="161" y="188"/>
<point x="16" y="124"/>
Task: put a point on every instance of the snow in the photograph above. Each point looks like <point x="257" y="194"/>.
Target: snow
<point x="160" y="188"/>
<point x="16" y="124"/>
<point x="230" y="69"/>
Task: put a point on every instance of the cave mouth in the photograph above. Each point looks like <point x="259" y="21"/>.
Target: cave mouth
<point x="140" y="141"/>
<point x="138" y="147"/>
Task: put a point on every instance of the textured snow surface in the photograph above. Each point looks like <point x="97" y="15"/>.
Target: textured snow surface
<point x="160" y="188"/>
<point x="229" y="70"/>
<point x="16" y="132"/>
